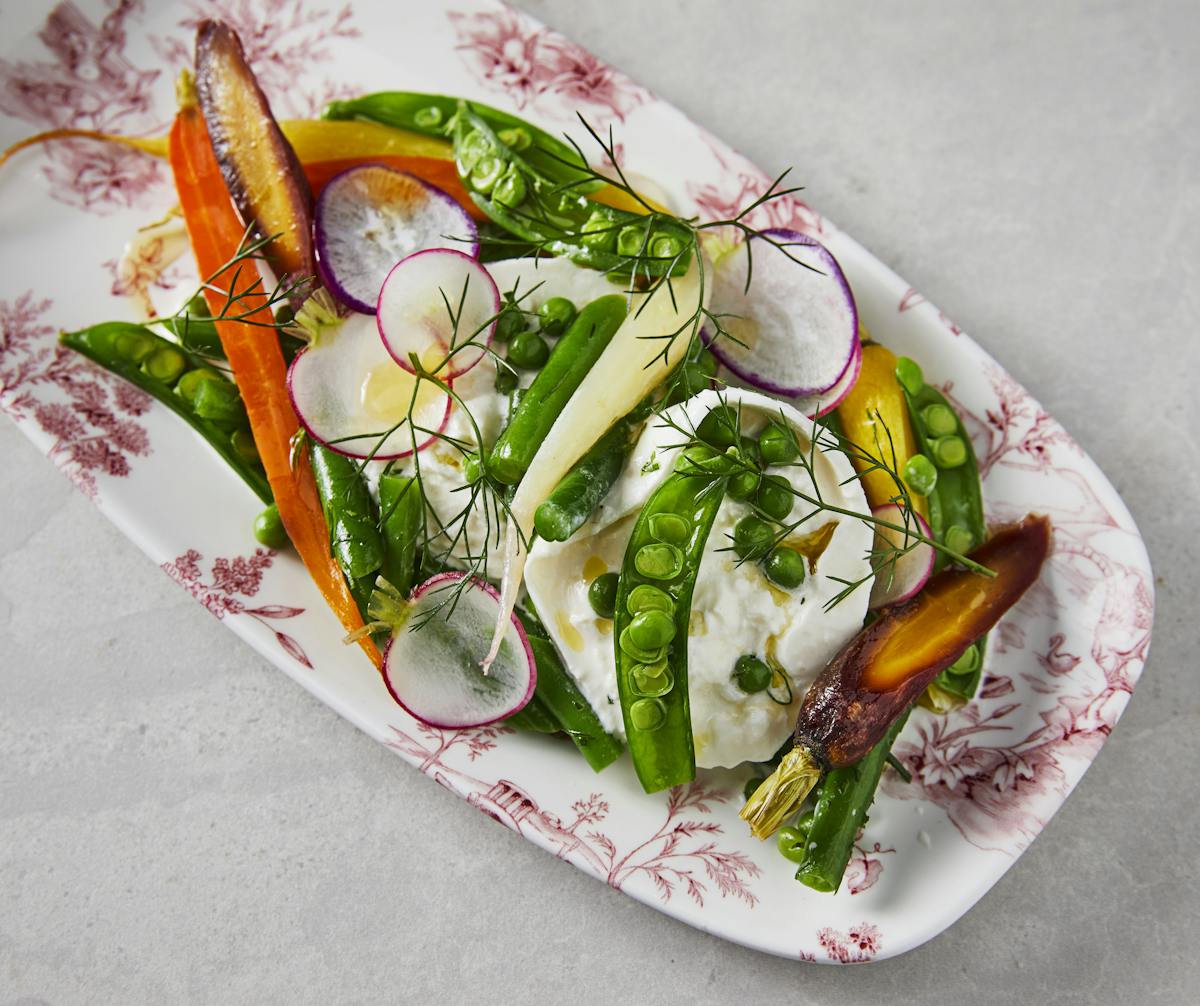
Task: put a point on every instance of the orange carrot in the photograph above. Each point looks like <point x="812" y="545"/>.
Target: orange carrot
<point x="437" y="172"/>
<point x="216" y="233"/>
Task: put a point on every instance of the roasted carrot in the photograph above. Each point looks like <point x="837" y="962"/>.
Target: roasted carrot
<point x="216" y="233"/>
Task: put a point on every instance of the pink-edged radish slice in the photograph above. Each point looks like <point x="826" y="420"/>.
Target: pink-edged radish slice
<point x="903" y="579"/>
<point x="438" y="298"/>
<point x="354" y="398"/>
<point x="433" y="671"/>
<point x="370" y="217"/>
<point x="823" y="404"/>
<point x="797" y="325"/>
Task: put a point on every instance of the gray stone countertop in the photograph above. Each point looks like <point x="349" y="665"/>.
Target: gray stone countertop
<point x="179" y="822"/>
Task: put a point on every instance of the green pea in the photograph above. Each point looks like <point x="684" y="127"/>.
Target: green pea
<point x="652" y="680"/>
<point x="751" y="674"/>
<point x="669" y="527"/>
<point x="647" y="597"/>
<point x="165" y="364"/>
<point x="748" y="448"/>
<point x="958" y="539"/>
<point x="805" y="824"/>
<point x="630" y="240"/>
<point x="516" y="138"/>
<point x="775" y="497"/>
<point x="665" y="246"/>
<point x="509" y="323"/>
<point x="752" y="536"/>
<point x="189" y="384"/>
<point x="556" y="315"/>
<point x="602" y="594"/>
<point x="792" y="844"/>
<point x="269" y="530"/>
<point x="473" y="467"/>
<point x="751" y="786"/>
<point x="647" y="714"/>
<point x="510" y="191"/>
<point x="908" y="373"/>
<point x="719" y="428"/>
<point x="428" y="117"/>
<point x="658" y="561"/>
<point x="967" y="663"/>
<point x="692" y="380"/>
<point x="506" y="381"/>
<point x="243" y="443"/>
<point x="597" y="231"/>
<point x="641" y="654"/>
<point x="784" y="567"/>
<point x="777" y="445"/>
<point x="949" y="452"/>
<point x="743" y="485"/>
<point x="702" y="459"/>
<point x="220" y="402"/>
<point x="528" y="350"/>
<point x="487" y="173"/>
<point x="651" y="629"/>
<point x="473" y="147"/>
<point x="939" y="420"/>
<point x="134" y="345"/>
<point x="919" y="474"/>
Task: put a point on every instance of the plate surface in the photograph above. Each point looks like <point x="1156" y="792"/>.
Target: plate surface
<point x="985" y="779"/>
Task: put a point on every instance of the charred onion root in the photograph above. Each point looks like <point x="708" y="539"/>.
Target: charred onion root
<point x="884" y="668"/>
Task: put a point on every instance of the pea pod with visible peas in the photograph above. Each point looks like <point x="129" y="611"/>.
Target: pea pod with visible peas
<point x="650" y="625"/>
<point x="205" y="399"/>
<point x="955" y="505"/>
<point x="354" y="535"/>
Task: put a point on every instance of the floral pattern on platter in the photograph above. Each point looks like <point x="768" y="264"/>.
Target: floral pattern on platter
<point x="681" y="854"/>
<point x="229" y="578"/>
<point x="88" y="83"/>
<point x="91" y="416"/>
<point x="537" y="67"/>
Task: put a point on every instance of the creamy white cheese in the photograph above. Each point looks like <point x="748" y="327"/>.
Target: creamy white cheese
<point x="735" y="611"/>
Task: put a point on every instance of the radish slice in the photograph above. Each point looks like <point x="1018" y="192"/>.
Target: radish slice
<point x="823" y="404"/>
<point x="434" y="672"/>
<point x="368" y="218"/>
<point x="438" y="298"/>
<point x="902" y="580"/>
<point x="798" y="326"/>
<point x="349" y="393"/>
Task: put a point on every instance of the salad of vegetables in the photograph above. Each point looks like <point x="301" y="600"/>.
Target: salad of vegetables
<point x="559" y="457"/>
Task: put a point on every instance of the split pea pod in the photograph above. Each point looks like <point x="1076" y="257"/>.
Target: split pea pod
<point x="955" y="504"/>
<point x="354" y="536"/>
<point x="569" y="363"/>
<point x="652" y="612"/>
<point x="204" y="398"/>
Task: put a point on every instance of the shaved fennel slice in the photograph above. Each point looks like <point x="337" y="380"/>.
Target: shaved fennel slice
<point x="628" y="370"/>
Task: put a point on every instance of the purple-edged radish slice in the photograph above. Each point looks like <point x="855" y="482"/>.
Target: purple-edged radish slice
<point x="900" y="580"/>
<point x="797" y="325"/>
<point x="370" y="217"/>
<point x="353" y="397"/>
<point x="434" y="670"/>
<point x="438" y="298"/>
<point x="821" y="405"/>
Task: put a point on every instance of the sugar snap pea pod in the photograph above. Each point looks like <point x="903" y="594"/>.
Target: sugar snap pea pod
<point x="354" y="534"/>
<point x="401" y="522"/>
<point x="843" y="798"/>
<point x="184" y="383"/>
<point x="534" y="718"/>
<point x="538" y="408"/>
<point x="195" y="330"/>
<point x="433" y="115"/>
<point x="955" y="506"/>
<point x="560" y="696"/>
<point x="650" y="623"/>
<point x="516" y="195"/>
<point x="584" y="487"/>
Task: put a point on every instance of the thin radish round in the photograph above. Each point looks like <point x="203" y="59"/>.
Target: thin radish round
<point x="351" y="396"/>
<point x="797" y="325"/>
<point x="821" y="405"/>
<point x="900" y="580"/>
<point x="434" y="671"/>
<point x="370" y="217"/>
<point x="438" y="298"/>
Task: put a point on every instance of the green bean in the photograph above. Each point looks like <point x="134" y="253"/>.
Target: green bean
<point x="843" y="798"/>
<point x="559" y="218"/>
<point x="435" y="115"/>
<point x="569" y="363"/>
<point x="401" y="522"/>
<point x="653" y="683"/>
<point x="122" y="348"/>
<point x="956" y="499"/>
<point x="354" y="536"/>
<point x="584" y="487"/>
